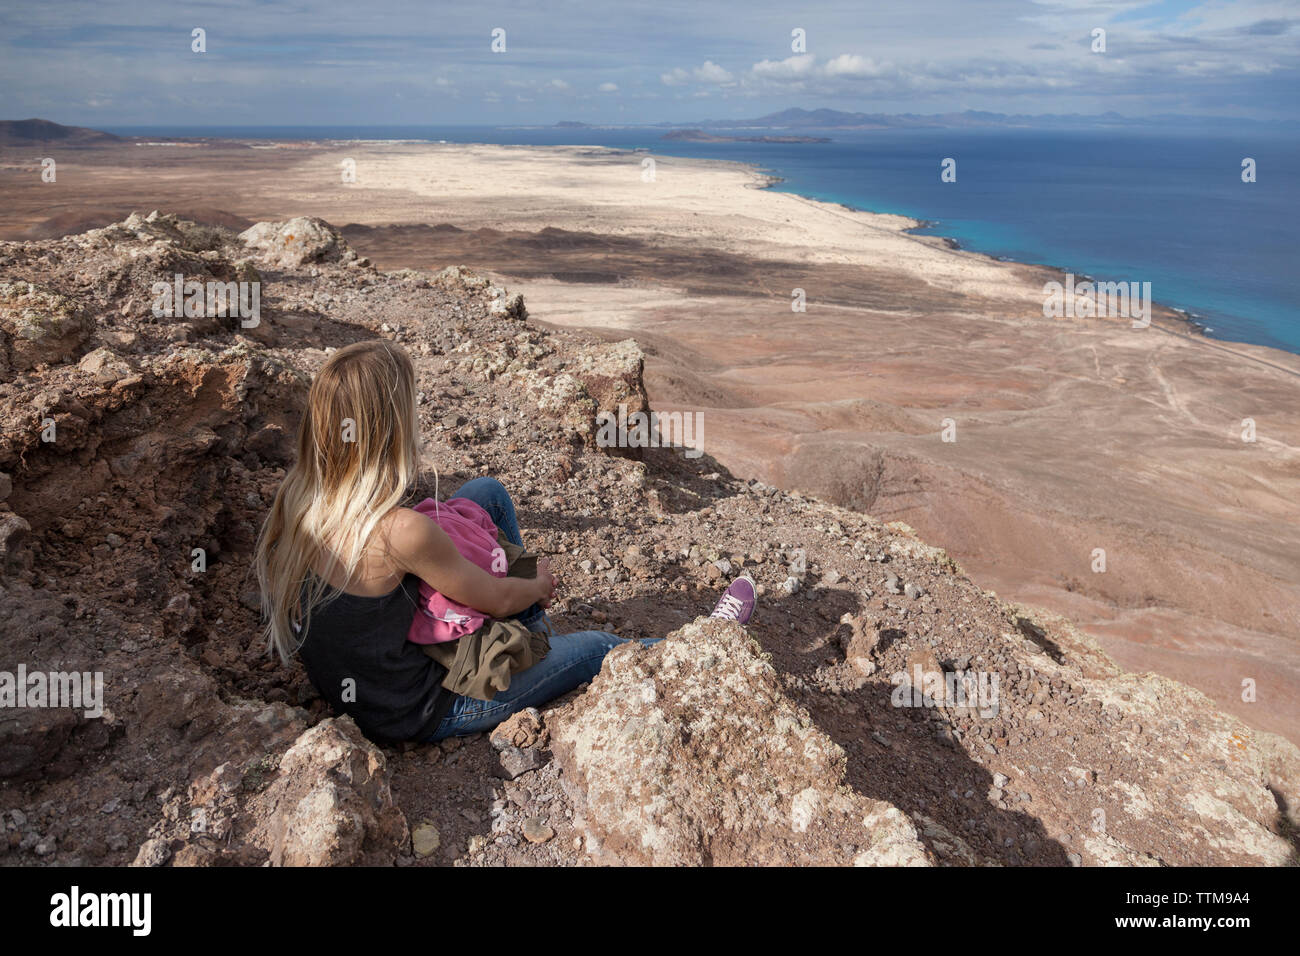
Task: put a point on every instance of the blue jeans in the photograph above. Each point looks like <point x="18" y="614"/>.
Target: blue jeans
<point x="490" y="495"/>
<point x="573" y="658"/>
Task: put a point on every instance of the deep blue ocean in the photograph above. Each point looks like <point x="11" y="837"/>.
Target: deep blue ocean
<point x="1163" y="206"/>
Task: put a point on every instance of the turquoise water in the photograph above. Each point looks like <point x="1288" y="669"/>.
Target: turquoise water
<point x="1162" y="206"/>
<point x="1169" y="209"/>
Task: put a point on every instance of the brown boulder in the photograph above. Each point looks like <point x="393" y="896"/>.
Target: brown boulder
<point x="690" y="753"/>
<point x="331" y="804"/>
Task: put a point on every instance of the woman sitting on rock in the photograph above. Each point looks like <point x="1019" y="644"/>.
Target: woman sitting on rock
<point x="344" y="569"/>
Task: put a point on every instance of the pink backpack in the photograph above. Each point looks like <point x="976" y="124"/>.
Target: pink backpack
<point x="438" y="619"/>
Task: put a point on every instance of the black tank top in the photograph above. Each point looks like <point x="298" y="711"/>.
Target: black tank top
<point x="358" y="658"/>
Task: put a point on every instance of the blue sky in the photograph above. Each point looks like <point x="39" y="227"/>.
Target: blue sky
<point x="380" y="62"/>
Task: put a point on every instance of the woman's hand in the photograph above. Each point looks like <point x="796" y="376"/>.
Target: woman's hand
<point x="546" y="582"/>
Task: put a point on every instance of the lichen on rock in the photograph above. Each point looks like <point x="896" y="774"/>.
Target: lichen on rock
<point x="38" y="326"/>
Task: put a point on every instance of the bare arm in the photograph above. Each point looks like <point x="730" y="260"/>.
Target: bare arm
<point x="418" y="546"/>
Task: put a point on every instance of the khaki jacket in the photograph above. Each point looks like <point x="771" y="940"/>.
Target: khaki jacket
<point x="480" y="663"/>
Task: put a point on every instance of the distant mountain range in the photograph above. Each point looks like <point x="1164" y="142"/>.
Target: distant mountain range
<point x="34" y="131"/>
<point x="827" y="119"/>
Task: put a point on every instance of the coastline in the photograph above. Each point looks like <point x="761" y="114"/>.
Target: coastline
<point x="1187" y="321"/>
<point x="1186" y="316"/>
<point x="1194" y="323"/>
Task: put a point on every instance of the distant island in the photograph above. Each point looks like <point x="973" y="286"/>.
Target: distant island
<point x="700" y="136"/>
<point x="33" y="131"/>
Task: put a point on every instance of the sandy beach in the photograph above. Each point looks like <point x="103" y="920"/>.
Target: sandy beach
<point x="1071" y="435"/>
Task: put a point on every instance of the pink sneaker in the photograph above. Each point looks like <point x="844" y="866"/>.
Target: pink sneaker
<point x="738" y="603"/>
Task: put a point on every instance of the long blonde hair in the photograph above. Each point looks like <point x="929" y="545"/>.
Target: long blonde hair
<point x="358" y="454"/>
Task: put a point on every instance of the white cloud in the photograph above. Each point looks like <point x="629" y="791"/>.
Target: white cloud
<point x="710" y="72"/>
<point x="850" y="64"/>
<point x="1206" y="57"/>
<point x="707" y="72"/>
<point x="790" y="68"/>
